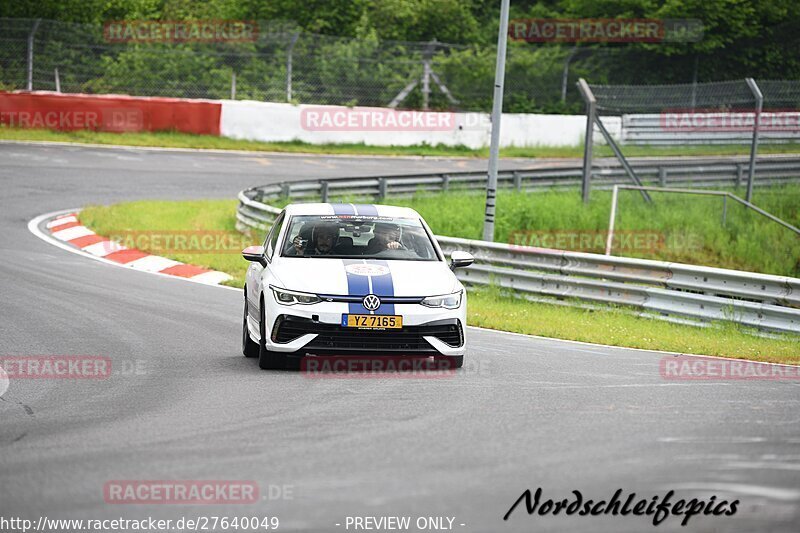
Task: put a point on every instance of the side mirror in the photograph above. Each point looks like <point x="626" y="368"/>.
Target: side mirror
<point x="459" y="259"/>
<point x="254" y="254"/>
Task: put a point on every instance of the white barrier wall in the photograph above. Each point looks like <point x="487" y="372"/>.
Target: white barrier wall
<point x="265" y="121"/>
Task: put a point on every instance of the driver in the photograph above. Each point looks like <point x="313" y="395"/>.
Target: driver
<point x="324" y="238"/>
<point x="387" y="237"/>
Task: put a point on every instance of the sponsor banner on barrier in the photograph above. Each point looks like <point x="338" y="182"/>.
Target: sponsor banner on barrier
<point x="180" y="31"/>
<point x="69" y="112"/>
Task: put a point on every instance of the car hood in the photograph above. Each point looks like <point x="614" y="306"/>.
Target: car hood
<point x="357" y="277"/>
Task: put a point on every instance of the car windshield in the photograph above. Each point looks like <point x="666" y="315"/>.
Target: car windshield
<point x="359" y="237"/>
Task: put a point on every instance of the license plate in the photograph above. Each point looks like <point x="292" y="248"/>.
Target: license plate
<point x="372" y="321"/>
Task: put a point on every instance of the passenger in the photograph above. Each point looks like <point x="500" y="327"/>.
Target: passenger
<point x="387" y="237"/>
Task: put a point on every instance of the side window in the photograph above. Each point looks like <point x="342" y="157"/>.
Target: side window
<point x="272" y="239"/>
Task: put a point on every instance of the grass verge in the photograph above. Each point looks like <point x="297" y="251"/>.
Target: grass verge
<point x="186" y="140"/>
<point x="489" y="308"/>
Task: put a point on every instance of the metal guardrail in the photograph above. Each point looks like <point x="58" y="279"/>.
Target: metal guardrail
<point x="697" y="173"/>
<point x="770" y="303"/>
<point x="663" y="290"/>
<point x="658" y="128"/>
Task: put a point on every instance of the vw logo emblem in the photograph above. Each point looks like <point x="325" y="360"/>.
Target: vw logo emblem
<point x="371" y="302"/>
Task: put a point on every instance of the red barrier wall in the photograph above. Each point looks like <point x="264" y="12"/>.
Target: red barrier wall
<point x="68" y="112"/>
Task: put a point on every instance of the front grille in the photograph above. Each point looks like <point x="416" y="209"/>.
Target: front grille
<point x="335" y="338"/>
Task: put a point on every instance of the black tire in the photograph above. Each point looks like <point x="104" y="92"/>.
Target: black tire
<point x="267" y="360"/>
<point x="249" y="348"/>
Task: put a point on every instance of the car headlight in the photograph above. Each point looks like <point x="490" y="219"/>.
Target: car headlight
<point x="448" y="301"/>
<point x="282" y="296"/>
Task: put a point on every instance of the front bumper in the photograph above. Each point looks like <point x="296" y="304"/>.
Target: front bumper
<point x="424" y="339"/>
<point x="316" y="329"/>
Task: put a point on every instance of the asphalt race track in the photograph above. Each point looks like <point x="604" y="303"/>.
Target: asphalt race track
<point x="184" y="404"/>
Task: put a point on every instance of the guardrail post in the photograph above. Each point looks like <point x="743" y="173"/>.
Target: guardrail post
<point x="445" y="182"/>
<point x="591" y="110"/>
<point x="323" y="191"/>
<point x="285" y="190"/>
<point x="754" y="145"/>
<point x="739" y="174"/>
<point x="517" y="180"/>
<point x="662" y="177"/>
<point x="381" y="188"/>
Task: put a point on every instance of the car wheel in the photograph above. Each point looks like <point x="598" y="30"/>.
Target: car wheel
<point x="268" y="360"/>
<point x="249" y="348"/>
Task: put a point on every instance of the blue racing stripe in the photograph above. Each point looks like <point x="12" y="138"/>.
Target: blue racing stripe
<point x="383" y="286"/>
<point x="343" y="209"/>
<point x="367" y="210"/>
<point x="356" y="286"/>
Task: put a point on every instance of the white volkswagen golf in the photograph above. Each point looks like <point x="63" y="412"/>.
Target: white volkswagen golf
<point x="348" y="279"/>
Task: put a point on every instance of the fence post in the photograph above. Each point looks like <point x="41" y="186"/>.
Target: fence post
<point x="58" y="81"/>
<point x="289" y="53"/>
<point x="611" y="219"/>
<point x="751" y="83"/>
<point x="565" y="73"/>
<point x="426" y="75"/>
<point x="233" y="86"/>
<point x="30" y="52"/>
<point x="591" y="109"/>
<point x="724" y="209"/>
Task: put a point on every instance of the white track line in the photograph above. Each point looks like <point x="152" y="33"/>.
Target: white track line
<point x="33" y="227"/>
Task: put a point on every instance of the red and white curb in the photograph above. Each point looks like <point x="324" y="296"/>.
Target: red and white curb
<point x="68" y="228"/>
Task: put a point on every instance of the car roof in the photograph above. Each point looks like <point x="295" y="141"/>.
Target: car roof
<point x="351" y="209"/>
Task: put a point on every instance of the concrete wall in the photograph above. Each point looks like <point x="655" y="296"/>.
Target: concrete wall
<point x="265" y="121"/>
